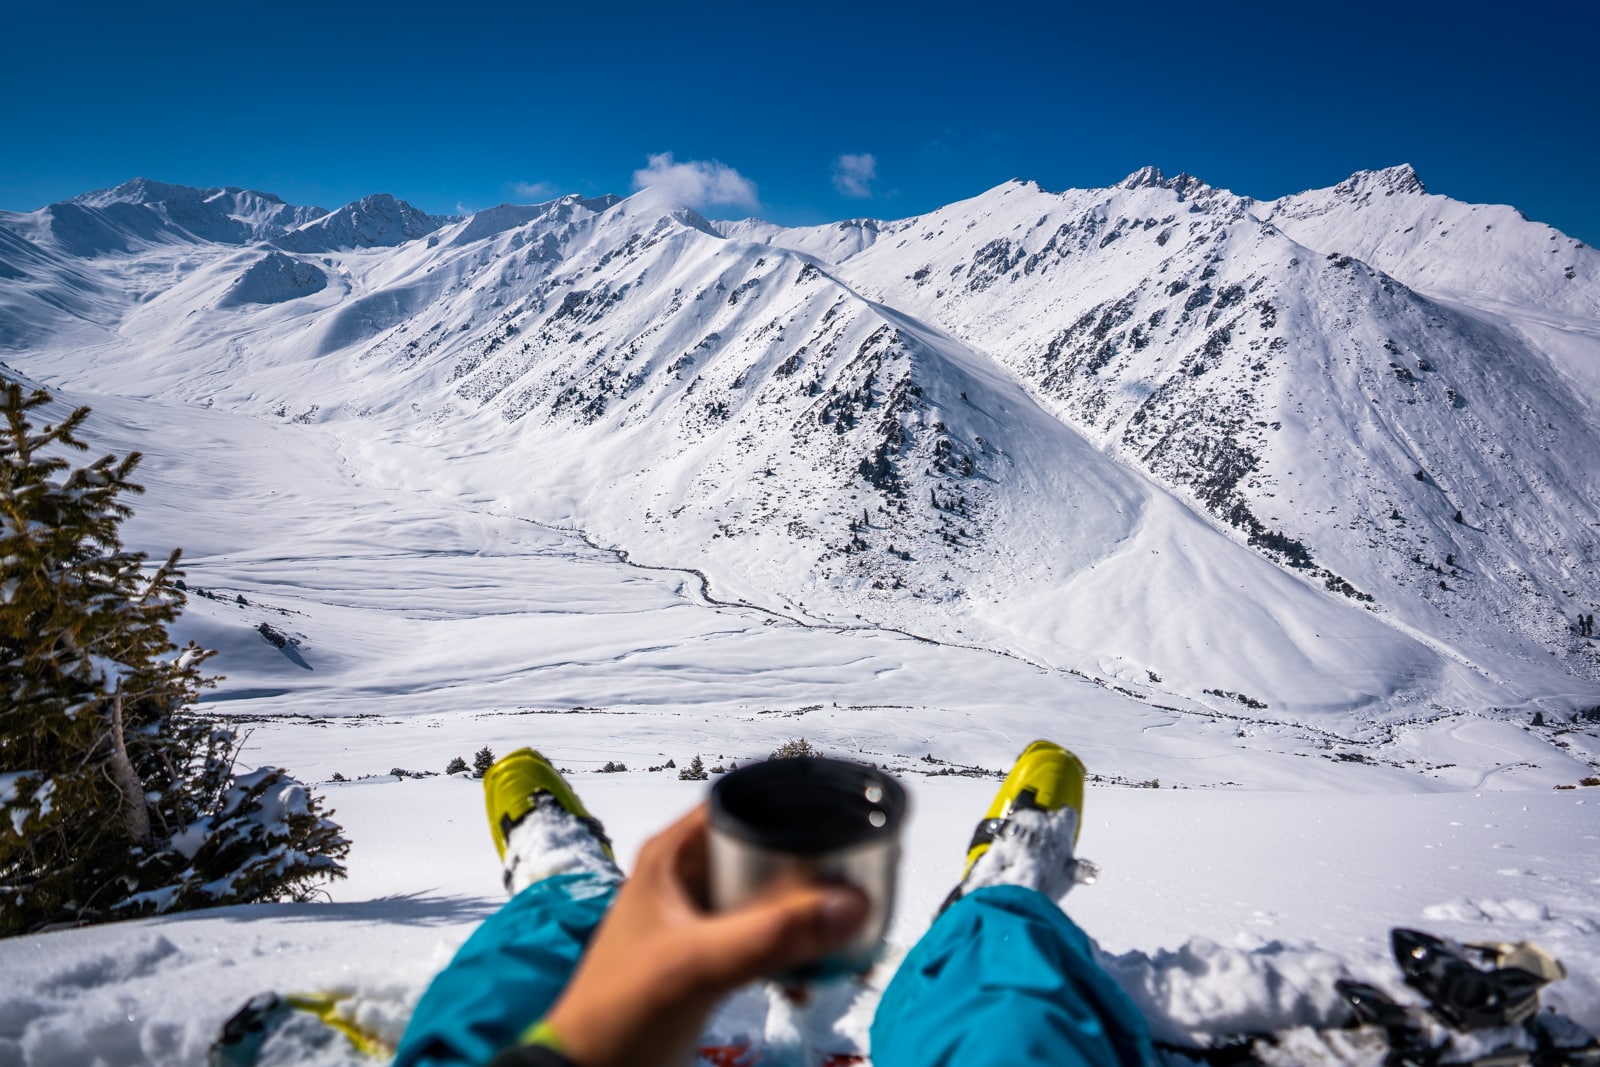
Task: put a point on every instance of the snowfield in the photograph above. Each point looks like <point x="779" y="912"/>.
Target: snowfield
<point x="540" y="477"/>
<point x="1221" y="911"/>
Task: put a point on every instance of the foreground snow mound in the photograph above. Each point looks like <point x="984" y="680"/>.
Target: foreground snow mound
<point x="1279" y="998"/>
<point x="1178" y="894"/>
<point x="1203" y="992"/>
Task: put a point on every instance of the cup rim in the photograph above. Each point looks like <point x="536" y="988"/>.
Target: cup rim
<point x="743" y="788"/>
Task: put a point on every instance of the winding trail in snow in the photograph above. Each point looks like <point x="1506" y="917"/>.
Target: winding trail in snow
<point x="1385" y="731"/>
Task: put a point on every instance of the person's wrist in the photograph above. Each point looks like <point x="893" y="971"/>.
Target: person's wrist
<point x="543" y="1035"/>
<point x="594" y="1032"/>
<point x="564" y="1018"/>
<point x="539" y="1046"/>
<point x="606" y="1028"/>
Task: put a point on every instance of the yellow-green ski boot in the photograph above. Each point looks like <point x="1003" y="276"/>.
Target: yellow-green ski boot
<point x="539" y="825"/>
<point x="1029" y="835"/>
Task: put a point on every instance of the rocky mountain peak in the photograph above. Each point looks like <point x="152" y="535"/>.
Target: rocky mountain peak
<point x="378" y="220"/>
<point x="653" y="203"/>
<point x="1389" y="181"/>
<point x="1184" y="184"/>
<point x="141" y="191"/>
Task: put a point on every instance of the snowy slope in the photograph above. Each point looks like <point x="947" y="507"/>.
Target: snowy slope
<point x="1207" y="938"/>
<point x="773" y="429"/>
<point x="1487" y="261"/>
<point x="1335" y="418"/>
<point x="142" y="212"/>
<point x="1443" y="247"/>
<point x="72" y="269"/>
<point x="46" y="295"/>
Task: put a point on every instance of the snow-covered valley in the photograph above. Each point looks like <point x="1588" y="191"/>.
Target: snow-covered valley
<point x="607" y="478"/>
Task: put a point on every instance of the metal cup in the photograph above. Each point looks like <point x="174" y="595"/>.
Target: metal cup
<point x="809" y="820"/>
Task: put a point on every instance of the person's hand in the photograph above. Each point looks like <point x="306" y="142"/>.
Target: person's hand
<point x="661" y="960"/>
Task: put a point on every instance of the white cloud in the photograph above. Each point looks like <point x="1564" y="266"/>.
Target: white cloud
<point x="853" y="174"/>
<point x="535" y="191"/>
<point x="697" y="182"/>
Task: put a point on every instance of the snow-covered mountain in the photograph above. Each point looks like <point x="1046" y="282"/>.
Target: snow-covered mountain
<point x="1392" y="443"/>
<point x="373" y="221"/>
<point x="67" y="264"/>
<point x="141" y="211"/>
<point x="1282" y="460"/>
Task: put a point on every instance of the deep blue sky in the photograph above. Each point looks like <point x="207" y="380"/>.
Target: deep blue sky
<point x="471" y="104"/>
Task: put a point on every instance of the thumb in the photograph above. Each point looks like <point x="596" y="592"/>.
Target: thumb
<point x="795" y="926"/>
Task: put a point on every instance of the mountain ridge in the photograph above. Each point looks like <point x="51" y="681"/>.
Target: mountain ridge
<point x="1053" y="415"/>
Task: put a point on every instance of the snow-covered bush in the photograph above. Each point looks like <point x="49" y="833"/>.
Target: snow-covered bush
<point x="793" y="748"/>
<point x="482" y="761"/>
<point x="455" y="766"/>
<point x="116" y="799"/>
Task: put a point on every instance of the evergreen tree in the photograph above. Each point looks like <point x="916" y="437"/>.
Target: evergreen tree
<point x="115" y="798"/>
<point x="482" y="760"/>
<point x="695" y="772"/>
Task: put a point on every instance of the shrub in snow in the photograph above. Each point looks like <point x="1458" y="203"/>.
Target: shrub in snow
<point x="482" y="761"/>
<point x="115" y="799"/>
<point x="455" y="766"/>
<point x="794" y="747"/>
<point x="613" y="768"/>
<point x="695" y="772"/>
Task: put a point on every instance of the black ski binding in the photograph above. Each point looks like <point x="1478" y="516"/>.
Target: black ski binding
<point x="1461" y="991"/>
